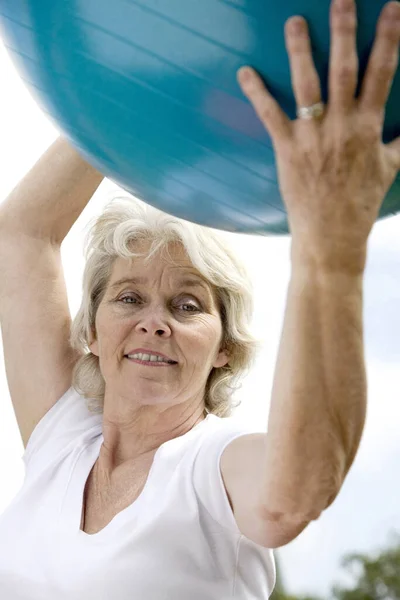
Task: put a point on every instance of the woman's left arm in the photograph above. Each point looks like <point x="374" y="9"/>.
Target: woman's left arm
<point x="334" y="173"/>
<point x="318" y="404"/>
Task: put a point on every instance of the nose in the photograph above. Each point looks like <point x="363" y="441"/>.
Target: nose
<point x="153" y="322"/>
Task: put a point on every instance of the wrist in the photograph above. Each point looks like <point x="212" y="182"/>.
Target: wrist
<point x="328" y="262"/>
<point x="339" y="283"/>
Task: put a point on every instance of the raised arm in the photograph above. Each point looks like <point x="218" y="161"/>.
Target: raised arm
<point x="34" y="313"/>
<point x="334" y="174"/>
<point x="49" y="199"/>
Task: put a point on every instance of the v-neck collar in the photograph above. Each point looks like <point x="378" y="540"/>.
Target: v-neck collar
<point x="70" y="515"/>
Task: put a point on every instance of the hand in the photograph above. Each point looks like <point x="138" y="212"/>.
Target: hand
<point x="334" y="171"/>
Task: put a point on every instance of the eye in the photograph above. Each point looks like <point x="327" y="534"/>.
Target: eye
<point x="184" y="306"/>
<point x="126" y="297"/>
<point x="188" y="304"/>
<point x="189" y="307"/>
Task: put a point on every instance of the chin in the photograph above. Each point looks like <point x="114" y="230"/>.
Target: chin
<point x="150" y="395"/>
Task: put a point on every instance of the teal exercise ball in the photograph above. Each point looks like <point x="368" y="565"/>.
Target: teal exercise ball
<point x="146" y="90"/>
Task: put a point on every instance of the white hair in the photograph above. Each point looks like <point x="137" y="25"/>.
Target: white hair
<point x="125" y="221"/>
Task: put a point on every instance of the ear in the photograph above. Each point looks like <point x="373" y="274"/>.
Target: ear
<point x="94" y="346"/>
<point x="221" y="359"/>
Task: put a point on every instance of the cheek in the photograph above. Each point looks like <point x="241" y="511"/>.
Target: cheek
<point x="205" y="334"/>
<point x="112" y="331"/>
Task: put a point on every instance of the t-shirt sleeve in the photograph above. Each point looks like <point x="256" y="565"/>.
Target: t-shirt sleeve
<point x="67" y="419"/>
<point x="207" y="478"/>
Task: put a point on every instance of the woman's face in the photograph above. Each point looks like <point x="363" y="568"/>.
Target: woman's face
<point x="167" y="308"/>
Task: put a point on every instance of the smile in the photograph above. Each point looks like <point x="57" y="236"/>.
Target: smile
<point x="150" y="363"/>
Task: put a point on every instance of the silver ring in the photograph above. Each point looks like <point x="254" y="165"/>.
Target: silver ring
<point x="311" y="112"/>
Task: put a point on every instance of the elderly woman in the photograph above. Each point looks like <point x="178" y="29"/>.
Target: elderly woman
<point x="148" y="491"/>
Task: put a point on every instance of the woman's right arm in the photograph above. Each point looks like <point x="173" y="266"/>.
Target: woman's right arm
<point x="34" y="311"/>
<point x="49" y="199"/>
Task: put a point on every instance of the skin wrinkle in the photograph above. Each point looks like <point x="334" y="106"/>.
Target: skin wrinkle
<point x="146" y="406"/>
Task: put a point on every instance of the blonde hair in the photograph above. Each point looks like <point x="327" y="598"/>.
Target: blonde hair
<point x="125" y="221"/>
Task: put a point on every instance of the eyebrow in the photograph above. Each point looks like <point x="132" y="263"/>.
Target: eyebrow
<point x="141" y="280"/>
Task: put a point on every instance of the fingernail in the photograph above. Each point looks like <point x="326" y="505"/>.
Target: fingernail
<point x="296" y="24"/>
<point x="244" y="74"/>
<point x="345" y="4"/>
<point x="393" y="11"/>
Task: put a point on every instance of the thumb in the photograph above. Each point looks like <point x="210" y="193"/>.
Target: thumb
<point x="394" y="150"/>
<point x="266" y="107"/>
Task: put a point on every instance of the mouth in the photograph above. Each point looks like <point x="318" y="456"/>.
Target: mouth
<point x="152" y="363"/>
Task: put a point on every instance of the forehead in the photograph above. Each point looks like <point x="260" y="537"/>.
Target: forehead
<point x="173" y="262"/>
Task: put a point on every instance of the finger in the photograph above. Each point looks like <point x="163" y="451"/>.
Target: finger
<point x="343" y="63"/>
<point x="305" y="79"/>
<point x="383" y="61"/>
<point x="266" y="107"/>
<point x="394" y="149"/>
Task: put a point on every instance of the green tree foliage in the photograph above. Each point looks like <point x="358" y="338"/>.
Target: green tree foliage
<point x="376" y="577"/>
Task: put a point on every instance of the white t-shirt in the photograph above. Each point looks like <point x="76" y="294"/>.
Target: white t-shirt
<point x="178" y="541"/>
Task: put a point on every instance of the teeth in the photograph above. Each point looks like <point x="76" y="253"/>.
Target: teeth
<point x="148" y="357"/>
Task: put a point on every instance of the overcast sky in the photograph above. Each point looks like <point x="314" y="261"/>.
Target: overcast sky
<point x="368" y="507"/>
